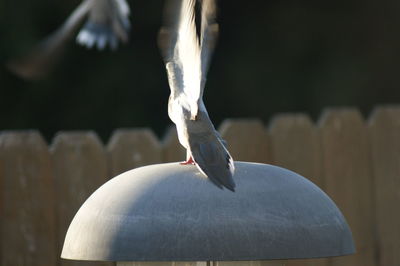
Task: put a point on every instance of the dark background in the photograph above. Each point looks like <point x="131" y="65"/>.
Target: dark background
<point x="272" y="56"/>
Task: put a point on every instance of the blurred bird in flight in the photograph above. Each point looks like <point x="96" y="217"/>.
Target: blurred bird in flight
<point x="107" y="23"/>
<point x="187" y="41"/>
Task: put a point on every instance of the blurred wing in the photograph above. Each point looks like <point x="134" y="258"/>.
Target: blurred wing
<point x="37" y="63"/>
<point x="166" y="41"/>
<point x="187" y="52"/>
<point x="108" y="23"/>
<point x="209" y="36"/>
<point x="181" y="51"/>
<point x="168" y="35"/>
<point x="122" y="19"/>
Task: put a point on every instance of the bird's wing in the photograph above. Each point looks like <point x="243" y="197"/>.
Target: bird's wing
<point x="168" y="33"/>
<point x="188" y="55"/>
<point x="108" y="23"/>
<point x="180" y="47"/>
<point x="209" y="35"/>
<point x="42" y="57"/>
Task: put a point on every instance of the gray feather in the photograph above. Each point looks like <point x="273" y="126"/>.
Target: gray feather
<point x="209" y="152"/>
<point x="214" y="160"/>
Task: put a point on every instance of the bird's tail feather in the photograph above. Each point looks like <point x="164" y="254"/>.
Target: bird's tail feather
<point x="213" y="159"/>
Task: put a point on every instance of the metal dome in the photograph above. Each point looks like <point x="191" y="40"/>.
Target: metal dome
<point x="169" y="212"/>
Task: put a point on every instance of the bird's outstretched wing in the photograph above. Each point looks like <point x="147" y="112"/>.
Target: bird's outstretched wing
<point x="208" y="37"/>
<point x="167" y="39"/>
<point x="185" y="50"/>
<point x="107" y="23"/>
<point x="188" y="52"/>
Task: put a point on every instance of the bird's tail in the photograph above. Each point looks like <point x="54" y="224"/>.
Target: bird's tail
<point x="214" y="160"/>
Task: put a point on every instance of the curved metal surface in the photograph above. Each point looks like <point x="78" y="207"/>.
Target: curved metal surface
<point x="170" y="212"/>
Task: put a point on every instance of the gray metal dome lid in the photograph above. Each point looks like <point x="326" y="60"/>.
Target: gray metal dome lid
<point x="170" y="212"/>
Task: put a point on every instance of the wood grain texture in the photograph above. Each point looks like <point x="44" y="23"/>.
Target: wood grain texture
<point x="80" y="167"/>
<point x="247" y="140"/>
<point x="384" y="129"/>
<point x="131" y="148"/>
<point x="295" y="145"/>
<point x="348" y="180"/>
<point x="173" y="151"/>
<point x="27" y="200"/>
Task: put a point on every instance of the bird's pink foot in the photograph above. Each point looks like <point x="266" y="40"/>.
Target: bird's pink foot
<point x="188" y="161"/>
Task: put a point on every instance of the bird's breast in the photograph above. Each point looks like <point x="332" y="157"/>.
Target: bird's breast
<point x="178" y="114"/>
<point x="178" y="110"/>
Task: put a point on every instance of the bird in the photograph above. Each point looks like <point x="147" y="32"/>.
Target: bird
<point x="107" y="23"/>
<point x="186" y="41"/>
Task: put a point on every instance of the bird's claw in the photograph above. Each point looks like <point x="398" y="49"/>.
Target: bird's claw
<point x="188" y="161"/>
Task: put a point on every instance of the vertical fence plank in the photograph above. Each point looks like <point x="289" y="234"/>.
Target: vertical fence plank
<point x="384" y="128"/>
<point x="247" y="139"/>
<point x="172" y="149"/>
<point x="348" y="179"/>
<point x="27" y="200"/>
<point x="80" y="167"/>
<point x="130" y="148"/>
<point x="295" y="145"/>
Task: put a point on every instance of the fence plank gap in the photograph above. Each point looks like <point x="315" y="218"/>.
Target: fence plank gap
<point x="384" y="129"/>
<point x="27" y="200"/>
<point x="131" y="148"/>
<point x="348" y="179"/>
<point x="295" y="145"/>
<point x="173" y="151"/>
<point x="80" y="167"/>
<point x="247" y="139"/>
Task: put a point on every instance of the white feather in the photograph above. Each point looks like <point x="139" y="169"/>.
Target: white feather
<point x="188" y="53"/>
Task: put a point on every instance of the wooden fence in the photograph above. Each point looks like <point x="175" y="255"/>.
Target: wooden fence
<point x="356" y="161"/>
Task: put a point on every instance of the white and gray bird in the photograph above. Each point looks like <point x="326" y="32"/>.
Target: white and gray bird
<point x="187" y="51"/>
<point x="107" y="24"/>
